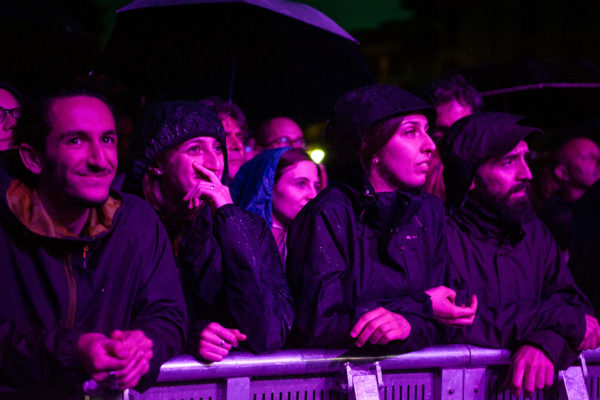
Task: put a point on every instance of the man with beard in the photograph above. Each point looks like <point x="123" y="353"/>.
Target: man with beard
<point x="502" y="253"/>
<point x="89" y="286"/>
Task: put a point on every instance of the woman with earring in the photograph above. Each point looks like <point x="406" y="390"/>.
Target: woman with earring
<point x="362" y="254"/>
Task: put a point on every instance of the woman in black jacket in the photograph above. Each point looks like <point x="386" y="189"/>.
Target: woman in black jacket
<point x="362" y="254"/>
<point x="231" y="271"/>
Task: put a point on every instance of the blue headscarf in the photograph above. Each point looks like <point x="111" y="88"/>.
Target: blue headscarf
<point x="252" y="187"/>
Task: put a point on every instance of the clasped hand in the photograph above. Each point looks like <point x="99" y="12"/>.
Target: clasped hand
<point x="125" y="355"/>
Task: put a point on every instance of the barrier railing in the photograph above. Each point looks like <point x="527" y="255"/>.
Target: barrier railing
<point x="450" y="372"/>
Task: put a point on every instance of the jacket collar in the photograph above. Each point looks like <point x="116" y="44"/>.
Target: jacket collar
<point x="27" y="207"/>
<point x="487" y="223"/>
<point x="385" y="211"/>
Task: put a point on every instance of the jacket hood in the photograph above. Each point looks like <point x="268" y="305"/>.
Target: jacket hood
<point x="165" y="125"/>
<point x="252" y="187"/>
<point x="472" y="141"/>
<point x="355" y="112"/>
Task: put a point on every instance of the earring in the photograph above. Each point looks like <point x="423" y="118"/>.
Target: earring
<point x="375" y="160"/>
<point x="155" y="171"/>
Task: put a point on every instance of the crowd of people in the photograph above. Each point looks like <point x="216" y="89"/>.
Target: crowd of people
<point x="419" y="230"/>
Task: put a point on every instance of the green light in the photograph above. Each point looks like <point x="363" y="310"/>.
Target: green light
<point x="317" y="155"/>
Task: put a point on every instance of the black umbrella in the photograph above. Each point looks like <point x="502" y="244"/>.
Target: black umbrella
<point x="270" y="56"/>
<point x="552" y="92"/>
<point x="42" y="45"/>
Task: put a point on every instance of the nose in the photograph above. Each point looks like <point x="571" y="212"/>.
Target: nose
<point x="234" y="143"/>
<point x="428" y="145"/>
<point x="524" y="173"/>
<point x="97" y="156"/>
<point x="312" y="192"/>
<point x="213" y="161"/>
<point x="9" y="123"/>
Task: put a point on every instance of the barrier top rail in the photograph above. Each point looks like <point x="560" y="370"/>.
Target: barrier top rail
<point x="314" y="361"/>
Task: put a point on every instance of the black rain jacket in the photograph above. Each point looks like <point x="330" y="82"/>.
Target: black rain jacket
<point x="232" y="274"/>
<point x="349" y="253"/>
<point x="54" y="288"/>
<point x="526" y="294"/>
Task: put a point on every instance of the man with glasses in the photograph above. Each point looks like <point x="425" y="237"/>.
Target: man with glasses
<point x="10" y="111"/>
<point x="279" y="132"/>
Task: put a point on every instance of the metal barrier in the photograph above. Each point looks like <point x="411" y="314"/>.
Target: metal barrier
<point x="450" y="372"/>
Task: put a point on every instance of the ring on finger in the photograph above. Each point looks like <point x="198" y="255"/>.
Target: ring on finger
<point x="212" y="187"/>
<point x="222" y="342"/>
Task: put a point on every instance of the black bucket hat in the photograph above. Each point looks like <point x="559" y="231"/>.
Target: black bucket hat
<point x="473" y="140"/>
<point x="165" y="125"/>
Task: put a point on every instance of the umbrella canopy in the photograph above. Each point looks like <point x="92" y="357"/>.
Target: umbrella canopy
<point x="272" y="57"/>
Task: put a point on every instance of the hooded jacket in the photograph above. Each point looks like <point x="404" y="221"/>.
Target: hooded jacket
<point x="252" y="190"/>
<point x="54" y="286"/>
<point x="351" y="251"/>
<point x="526" y="294"/>
<point x="228" y="261"/>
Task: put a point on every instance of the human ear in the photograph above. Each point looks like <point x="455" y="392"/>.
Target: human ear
<point x="155" y="169"/>
<point x="561" y="173"/>
<point x="30" y="158"/>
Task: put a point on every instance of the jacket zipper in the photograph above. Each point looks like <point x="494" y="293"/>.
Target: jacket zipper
<point x="85" y="251"/>
<point x="72" y="284"/>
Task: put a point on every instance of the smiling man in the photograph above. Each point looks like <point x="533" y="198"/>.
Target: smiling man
<point x="505" y="256"/>
<point x="88" y="274"/>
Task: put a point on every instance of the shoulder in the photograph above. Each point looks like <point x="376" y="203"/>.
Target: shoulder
<point x="331" y="201"/>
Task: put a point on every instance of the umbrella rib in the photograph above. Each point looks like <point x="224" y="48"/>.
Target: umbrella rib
<point x="541" y="86"/>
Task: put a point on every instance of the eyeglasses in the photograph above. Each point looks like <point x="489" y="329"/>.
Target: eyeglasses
<point x="14" y="112"/>
<point x="286" y="141"/>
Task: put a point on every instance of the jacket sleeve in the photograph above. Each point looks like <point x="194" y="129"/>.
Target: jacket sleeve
<point x="159" y="308"/>
<point x="256" y="291"/>
<point x="319" y="267"/>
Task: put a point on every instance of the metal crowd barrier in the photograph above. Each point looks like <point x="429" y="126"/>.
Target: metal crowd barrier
<point x="450" y="372"/>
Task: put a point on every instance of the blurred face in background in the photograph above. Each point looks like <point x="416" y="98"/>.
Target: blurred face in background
<point x="9" y="114"/>
<point x="298" y="184"/>
<point x="281" y="132"/>
<point x="235" y="138"/>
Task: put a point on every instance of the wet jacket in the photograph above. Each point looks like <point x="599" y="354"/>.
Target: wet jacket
<point x="349" y="253"/>
<point x="526" y="295"/>
<point x="232" y="274"/>
<point x="54" y="286"/>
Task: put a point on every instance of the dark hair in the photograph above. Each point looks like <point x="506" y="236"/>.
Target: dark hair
<point x="34" y="125"/>
<point x="455" y="87"/>
<point x="290" y="157"/>
<point x="376" y="137"/>
<point x="226" y="109"/>
<point x="12" y="90"/>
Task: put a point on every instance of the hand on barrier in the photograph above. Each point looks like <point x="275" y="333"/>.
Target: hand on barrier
<point x="380" y="326"/>
<point x="140" y="348"/>
<point x="591" y="340"/>
<point x="210" y="189"/>
<point x="447" y="312"/>
<point x="530" y="369"/>
<point x="216" y="341"/>
<point x="118" y="361"/>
